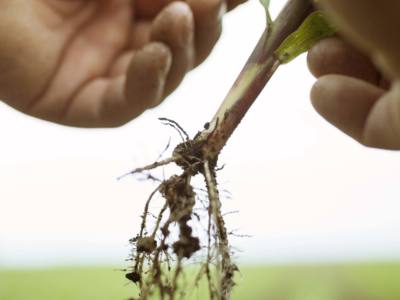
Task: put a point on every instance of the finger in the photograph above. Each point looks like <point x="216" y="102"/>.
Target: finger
<point x="208" y="25"/>
<point x="122" y="63"/>
<point x="345" y="102"/>
<point x="373" y="26"/>
<point x="141" y="33"/>
<point x="174" y="26"/>
<point x="148" y="9"/>
<point x="113" y="102"/>
<point x="140" y="37"/>
<point x="147" y="75"/>
<point x="335" y="56"/>
<point x="383" y="125"/>
<point x="233" y="3"/>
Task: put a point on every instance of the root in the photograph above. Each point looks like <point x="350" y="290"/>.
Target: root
<point x="184" y="136"/>
<point x="149" y="167"/>
<point x="172" y="238"/>
<point x="227" y="268"/>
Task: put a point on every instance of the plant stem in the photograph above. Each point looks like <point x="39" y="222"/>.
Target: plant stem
<point x="256" y="73"/>
<point x="200" y="156"/>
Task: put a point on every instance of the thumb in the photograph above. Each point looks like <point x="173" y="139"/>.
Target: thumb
<point x="373" y="26"/>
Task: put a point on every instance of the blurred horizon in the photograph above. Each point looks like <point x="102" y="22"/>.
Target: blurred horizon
<point x="336" y="282"/>
<point x="305" y="192"/>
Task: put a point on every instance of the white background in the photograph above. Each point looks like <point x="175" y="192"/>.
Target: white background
<point x="304" y="190"/>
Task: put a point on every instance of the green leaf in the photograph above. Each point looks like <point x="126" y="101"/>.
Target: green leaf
<point x="315" y="28"/>
<point x="266" y="3"/>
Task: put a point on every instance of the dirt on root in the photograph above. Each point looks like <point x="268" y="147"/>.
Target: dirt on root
<point x="162" y="248"/>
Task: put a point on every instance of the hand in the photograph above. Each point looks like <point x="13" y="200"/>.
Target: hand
<point x="101" y="63"/>
<point x="352" y="91"/>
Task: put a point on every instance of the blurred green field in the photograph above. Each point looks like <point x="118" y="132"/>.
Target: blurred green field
<point x="336" y="282"/>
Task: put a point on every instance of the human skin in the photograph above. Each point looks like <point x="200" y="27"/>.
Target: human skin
<point x="101" y="63"/>
<point x="358" y="86"/>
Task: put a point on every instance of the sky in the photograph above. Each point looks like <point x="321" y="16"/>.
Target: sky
<point x="304" y="190"/>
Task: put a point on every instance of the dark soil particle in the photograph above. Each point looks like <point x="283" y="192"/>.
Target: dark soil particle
<point x="146" y="244"/>
<point x="185" y="247"/>
<point x="133" y="276"/>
